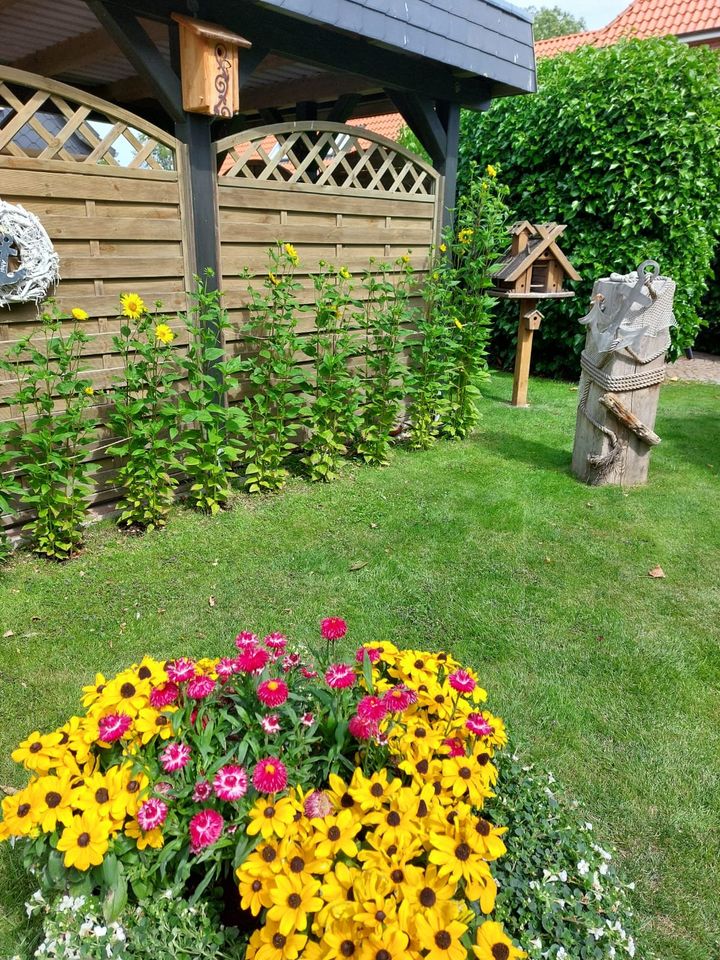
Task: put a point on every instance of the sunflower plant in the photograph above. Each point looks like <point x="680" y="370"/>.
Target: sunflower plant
<point x="275" y="381"/>
<point x="143" y="415"/>
<point x="211" y="428"/>
<point x="330" y="415"/>
<point x="53" y="435"/>
<point x="387" y="311"/>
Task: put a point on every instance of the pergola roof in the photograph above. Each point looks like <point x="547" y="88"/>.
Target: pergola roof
<point x="466" y="51"/>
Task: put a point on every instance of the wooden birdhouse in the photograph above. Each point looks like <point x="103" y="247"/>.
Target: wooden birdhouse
<point x="209" y="57"/>
<point x="533" y="268"/>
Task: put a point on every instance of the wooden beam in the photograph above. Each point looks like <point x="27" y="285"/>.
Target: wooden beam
<point x="6" y="4"/>
<point x="142" y="53"/>
<point x="75" y="52"/>
<point x="125" y="91"/>
<point x="250" y="60"/>
<point x="344" y="107"/>
<point x="419" y="114"/>
<point x="326" y="86"/>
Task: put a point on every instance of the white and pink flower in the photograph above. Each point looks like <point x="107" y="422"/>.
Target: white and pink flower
<point x="152" y="813"/>
<point x="271" y="723"/>
<point x="175" y="756"/>
<point x="206" y="828"/>
<point x="114" y="726"/>
<point x="230" y="782"/>
<point x="339" y="676"/>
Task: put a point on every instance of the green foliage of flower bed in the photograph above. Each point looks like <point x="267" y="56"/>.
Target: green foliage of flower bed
<point x="623" y="145"/>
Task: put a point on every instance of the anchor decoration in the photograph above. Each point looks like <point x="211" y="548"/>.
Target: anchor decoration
<point x="23" y="238"/>
<point x="9" y="248"/>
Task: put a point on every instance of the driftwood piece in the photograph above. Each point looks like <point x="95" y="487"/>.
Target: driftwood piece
<point x="628" y="419"/>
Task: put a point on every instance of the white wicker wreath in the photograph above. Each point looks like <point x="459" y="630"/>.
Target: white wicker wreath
<point x="38" y="259"/>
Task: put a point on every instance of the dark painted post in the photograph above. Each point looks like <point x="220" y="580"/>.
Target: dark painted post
<point x="449" y="116"/>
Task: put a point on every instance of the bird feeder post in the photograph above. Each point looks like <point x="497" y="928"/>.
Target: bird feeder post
<point x="533" y="268"/>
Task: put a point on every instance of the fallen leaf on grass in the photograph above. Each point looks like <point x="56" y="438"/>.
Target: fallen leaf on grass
<point x="211" y="601"/>
<point x="8" y="633"/>
<point x="8" y="791"/>
<point x="657" y="573"/>
<point x="359" y="565"/>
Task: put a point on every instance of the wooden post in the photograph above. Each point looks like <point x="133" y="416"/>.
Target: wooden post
<point x="522" y="356"/>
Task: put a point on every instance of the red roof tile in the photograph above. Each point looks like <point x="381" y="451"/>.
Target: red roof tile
<point x="642" y="18"/>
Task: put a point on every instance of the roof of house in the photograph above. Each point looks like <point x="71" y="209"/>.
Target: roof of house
<point x="643" y="18"/>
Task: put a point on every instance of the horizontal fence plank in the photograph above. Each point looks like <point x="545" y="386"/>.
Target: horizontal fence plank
<point x="132" y="268"/>
<point x="310" y="233"/>
<point x="38" y="183"/>
<point x="65" y="167"/>
<point x="63" y="227"/>
<point x="236" y="194"/>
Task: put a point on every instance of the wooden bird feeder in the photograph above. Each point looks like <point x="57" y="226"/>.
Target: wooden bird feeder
<point x="209" y="67"/>
<point x="533" y="268"/>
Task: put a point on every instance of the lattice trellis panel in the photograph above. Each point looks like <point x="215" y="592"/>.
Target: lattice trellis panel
<point x="42" y="120"/>
<point x="325" y="155"/>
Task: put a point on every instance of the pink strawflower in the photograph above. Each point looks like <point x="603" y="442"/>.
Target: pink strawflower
<point x="163" y="788"/>
<point x="362" y="729"/>
<point x="275" y="641"/>
<point x="291" y="661"/>
<point x="244" y="639"/>
<point x="200" y="687"/>
<point x="205" y="829"/>
<point x="270" y="775"/>
<point x="230" y="782"/>
<point x="477" y="724"/>
<point x="175" y="756"/>
<point x="272" y="692"/>
<point x="251" y="659"/>
<point x="372" y="708"/>
<point x="164" y="694"/>
<point x="202" y="791"/>
<point x="317" y="804"/>
<point x="225" y="668"/>
<point x="462" y="681"/>
<point x="180" y="670"/>
<point x="455" y="746"/>
<point x="333" y="628"/>
<point x="372" y="653"/>
<point x="113" y="726"/>
<point x="271" y="723"/>
<point x="399" y="698"/>
<point x="152" y="813"/>
<point x="309" y="674"/>
<point x="339" y="676"/>
<point x="307" y="719"/>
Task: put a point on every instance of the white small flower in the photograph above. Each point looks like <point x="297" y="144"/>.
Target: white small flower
<point x="86" y="927"/>
<point x="631" y="947"/>
<point x="167" y="894"/>
<point x="611" y="951"/>
<point x="583" y="868"/>
<point x="551" y="779"/>
<point x="603" y="869"/>
<point x="99" y="930"/>
<point x="562" y="953"/>
<point x="588" y="826"/>
<point x="563" y="876"/>
<point x="596" y="932"/>
<point x="537" y="943"/>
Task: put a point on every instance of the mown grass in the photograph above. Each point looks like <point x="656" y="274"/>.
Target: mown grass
<point x="489" y="547"/>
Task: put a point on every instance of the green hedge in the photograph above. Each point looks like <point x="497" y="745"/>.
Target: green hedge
<point x="623" y="145"/>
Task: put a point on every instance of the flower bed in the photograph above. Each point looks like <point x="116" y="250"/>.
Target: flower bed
<point x="296" y="805"/>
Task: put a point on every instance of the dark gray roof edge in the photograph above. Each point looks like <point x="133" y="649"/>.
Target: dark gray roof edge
<point x="511" y="8"/>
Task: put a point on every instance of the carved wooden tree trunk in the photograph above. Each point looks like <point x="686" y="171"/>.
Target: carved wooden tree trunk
<point x="620" y="385"/>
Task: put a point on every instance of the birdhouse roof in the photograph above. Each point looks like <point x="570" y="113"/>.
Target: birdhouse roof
<point x="542" y="239"/>
<point x="211" y="31"/>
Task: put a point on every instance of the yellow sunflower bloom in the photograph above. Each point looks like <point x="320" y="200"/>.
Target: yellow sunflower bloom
<point x="38" y="751"/>
<point x="54" y="801"/>
<point x="145" y="838"/>
<point x="338" y="892"/>
<point x="373" y="792"/>
<point x="490" y="170"/>
<point x="270" y="944"/>
<point x="466" y="235"/>
<point x="254" y="893"/>
<point x="271" y="819"/>
<point x="335" y="835"/>
<point x="345" y="273"/>
<point x="390" y="943"/>
<point x="19" y="812"/>
<point x="443" y="248"/>
<point x="164" y="333"/>
<point x="84" y="841"/>
<point x="78" y="314"/>
<point x="132" y="305"/>
<point x="291" y="254"/>
<point x="440" y="937"/>
<point x="293" y="900"/>
<point x="492" y="943"/>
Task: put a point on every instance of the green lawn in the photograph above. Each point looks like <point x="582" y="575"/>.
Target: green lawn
<point x="489" y="547"/>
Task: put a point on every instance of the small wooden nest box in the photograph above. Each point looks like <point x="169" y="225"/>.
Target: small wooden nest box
<point x="209" y="67"/>
<point x="534" y="267"/>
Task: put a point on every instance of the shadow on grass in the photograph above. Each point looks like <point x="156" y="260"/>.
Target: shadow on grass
<point x="538" y="455"/>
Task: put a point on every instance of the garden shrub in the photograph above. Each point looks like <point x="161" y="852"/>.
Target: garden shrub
<point x="623" y="145"/>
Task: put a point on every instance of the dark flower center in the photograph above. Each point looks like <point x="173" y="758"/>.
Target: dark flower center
<point x="144" y="673"/>
<point x="64" y="738"/>
<point x="278" y="941"/>
<point x="483" y="828"/>
<point x="102" y="795"/>
<point x="380" y="915"/>
<point x="334" y="833"/>
<point x="297" y="864"/>
<point x="419" y="664"/>
<point x="392" y="850"/>
<point x="422" y="810"/>
<point x="23" y="810"/>
<point x="346" y="801"/>
<point x="34" y="747"/>
<point x="420" y="732"/>
<point x="423" y="688"/>
<point x="256" y="886"/>
<point x="465" y="773"/>
<point x="443" y="939"/>
<point x="428" y="897"/>
<point x="442" y="657"/>
<point x="127" y="690"/>
<point x="382" y="955"/>
<point x="161" y="721"/>
<point x="483" y="759"/>
<point x="397" y="876"/>
<point x="452" y="816"/>
<point x="269" y="854"/>
<point x="269" y="812"/>
<point x="294" y="900"/>
<point x="347" y="948"/>
<point x="422" y="766"/>
<point x="440" y="698"/>
<point x="500" y="951"/>
<point x="437" y="787"/>
<point x="376" y="790"/>
<point x="52" y="799"/>
<point x="133" y="786"/>
<point x="393" y="818"/>
<point x="83" y="840"/>
<point x="462" y="851"/>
